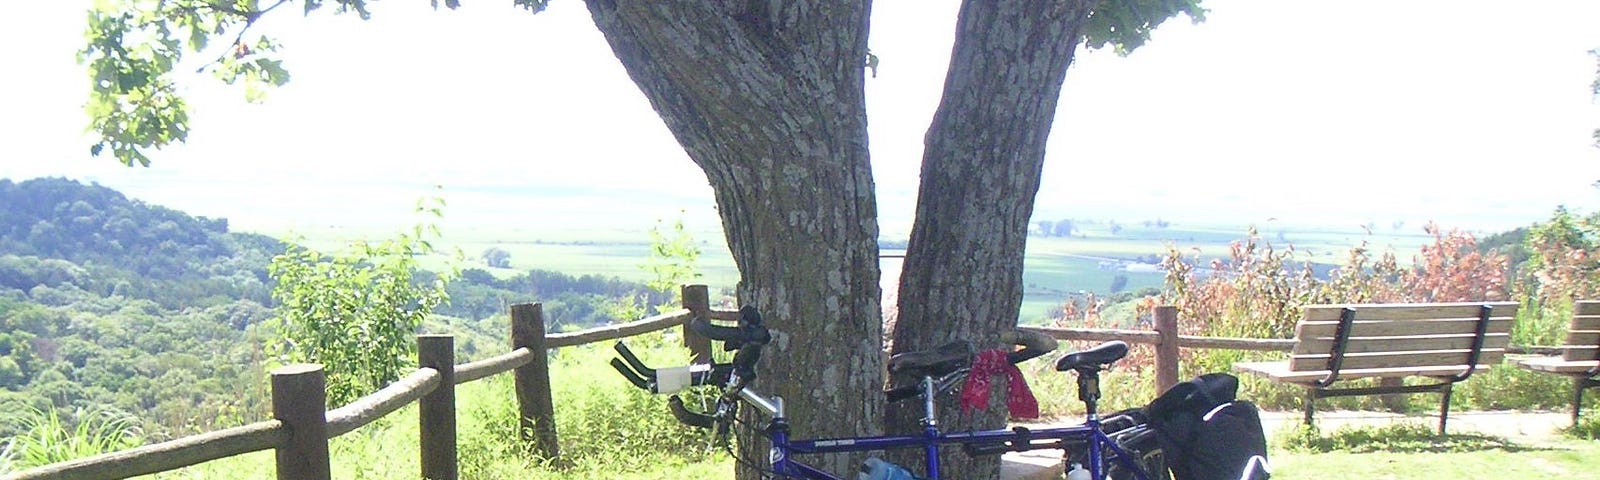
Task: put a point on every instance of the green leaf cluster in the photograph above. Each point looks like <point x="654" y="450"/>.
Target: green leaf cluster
<point x="131" y="50"/>
<point x="1126" y="24"/>
<point x="672" y="258"/>
<point x="357" y="314"/>
<point x="132" y="47"/>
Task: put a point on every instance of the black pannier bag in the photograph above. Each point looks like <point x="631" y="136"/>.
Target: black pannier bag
<point x="1207" y="434"/>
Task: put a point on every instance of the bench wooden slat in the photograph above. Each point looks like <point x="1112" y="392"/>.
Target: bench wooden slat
<point x="1583" y="337"/>
<point x="1579" y="353"/>
<point x="1586" y="307"/>
<point x="1408" y="311"/>
<point x="1279" y="371"/>
<point x="1557" y="365"/>
<point x="1393" y="328"/>
<point x="1582" y="343"/>
<point x="1323" y="345"/>
<point x="1357" y="361"/>
<point x="1585" y="322"/>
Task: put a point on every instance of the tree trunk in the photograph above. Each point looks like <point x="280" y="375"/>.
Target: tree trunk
<point x="767" y="97"/>
<point x="962" y="276"/>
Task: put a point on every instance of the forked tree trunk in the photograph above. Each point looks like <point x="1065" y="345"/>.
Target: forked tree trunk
<point x="767" y="98"/>
<point x="962" y="277"/>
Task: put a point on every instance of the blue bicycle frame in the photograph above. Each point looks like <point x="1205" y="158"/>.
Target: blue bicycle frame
<point x="1087" y="435"/>
<point x="750" y="336"/>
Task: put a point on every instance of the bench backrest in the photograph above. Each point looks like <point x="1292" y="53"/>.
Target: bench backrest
<point x="1402" y="335"/>
<point x="1583" y="337"/>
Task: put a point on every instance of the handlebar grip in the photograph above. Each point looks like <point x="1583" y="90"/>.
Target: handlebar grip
<point x="629" y="374"/>
<point x="1034" y="344"/>
<point x="633" y="361"/>
<point x="703" y="327"/>
<point x="750" y="330"/>
<point x="687" y="417"/>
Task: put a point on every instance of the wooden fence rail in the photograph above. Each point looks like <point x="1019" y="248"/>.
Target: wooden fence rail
<point x="301" y="427"/>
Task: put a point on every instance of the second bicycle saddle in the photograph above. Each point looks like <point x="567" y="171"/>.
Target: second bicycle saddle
<point x="1094" y="358"/>
<point x="933" y="362"/>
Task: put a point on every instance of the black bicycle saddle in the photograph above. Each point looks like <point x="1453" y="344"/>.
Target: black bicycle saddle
<point x="1094" y="358"/>
<point x="935" y="362"/>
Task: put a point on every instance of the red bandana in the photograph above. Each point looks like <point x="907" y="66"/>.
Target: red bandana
<point x="975" y="394"/>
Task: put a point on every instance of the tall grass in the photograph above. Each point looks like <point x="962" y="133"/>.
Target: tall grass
<point x="7" y="463"/>
<point x="48" y="438"/>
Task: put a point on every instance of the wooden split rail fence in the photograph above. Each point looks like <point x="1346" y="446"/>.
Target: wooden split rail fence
<point x="301" y="424"/>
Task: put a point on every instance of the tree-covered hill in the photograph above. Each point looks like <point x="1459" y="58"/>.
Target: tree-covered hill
<point x="60" y="233"/>
<point x="111" y="303"/>
<point x="108" y="302"/>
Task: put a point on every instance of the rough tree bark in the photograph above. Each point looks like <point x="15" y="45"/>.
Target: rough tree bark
<point x="766" y="97"/>
<point x="962" y="276"/>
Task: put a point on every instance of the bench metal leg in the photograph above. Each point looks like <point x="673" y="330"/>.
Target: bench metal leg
<point x="1579" y="385"/>
<point x="1444" y="408"/>
<point x="1311" y="405"/>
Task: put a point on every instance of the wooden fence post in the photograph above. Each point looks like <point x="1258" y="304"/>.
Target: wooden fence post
<point x="536" y="410"/>
<point x="437" y="409"/>
<point x="1166" y="317"/>
<point x="300" y="401"/>
<point x="698" y="301"/>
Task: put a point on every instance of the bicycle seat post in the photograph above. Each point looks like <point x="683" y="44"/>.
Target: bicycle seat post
<point x="1089" y="389"/>
<point x="929" y="416"/>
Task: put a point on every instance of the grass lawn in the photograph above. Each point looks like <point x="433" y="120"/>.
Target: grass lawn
<point x="1573" y="459"/>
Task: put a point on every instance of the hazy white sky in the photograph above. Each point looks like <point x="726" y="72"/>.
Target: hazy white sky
<point x="1467" y="112"/>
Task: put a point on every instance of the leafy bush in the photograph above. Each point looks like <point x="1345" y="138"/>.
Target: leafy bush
<point x="356" y="314"/>
<point x="1259" y="291"/>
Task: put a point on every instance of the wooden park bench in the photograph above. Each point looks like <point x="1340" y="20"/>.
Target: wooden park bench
<point x="1580" y="356"/>
<point x="1444" y="342"/>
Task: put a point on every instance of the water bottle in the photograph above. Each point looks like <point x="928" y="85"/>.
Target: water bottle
<point x="1077" y="472"/>
<point x="877" y="469"/>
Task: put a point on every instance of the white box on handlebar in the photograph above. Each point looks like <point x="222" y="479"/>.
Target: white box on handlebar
<point x="673" y="379"/>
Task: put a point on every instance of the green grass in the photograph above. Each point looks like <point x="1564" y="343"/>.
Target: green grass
<point x="49" y="437"/>
<point x="1566" y="461"/>
<point x="1413" y="451"/>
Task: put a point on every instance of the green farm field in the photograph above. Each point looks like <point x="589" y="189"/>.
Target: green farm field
<point x="1055" y="268"/>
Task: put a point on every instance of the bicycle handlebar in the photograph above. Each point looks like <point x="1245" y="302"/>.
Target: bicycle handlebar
<point x="747" y="339"/>
<point x="1033" y="345"/>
